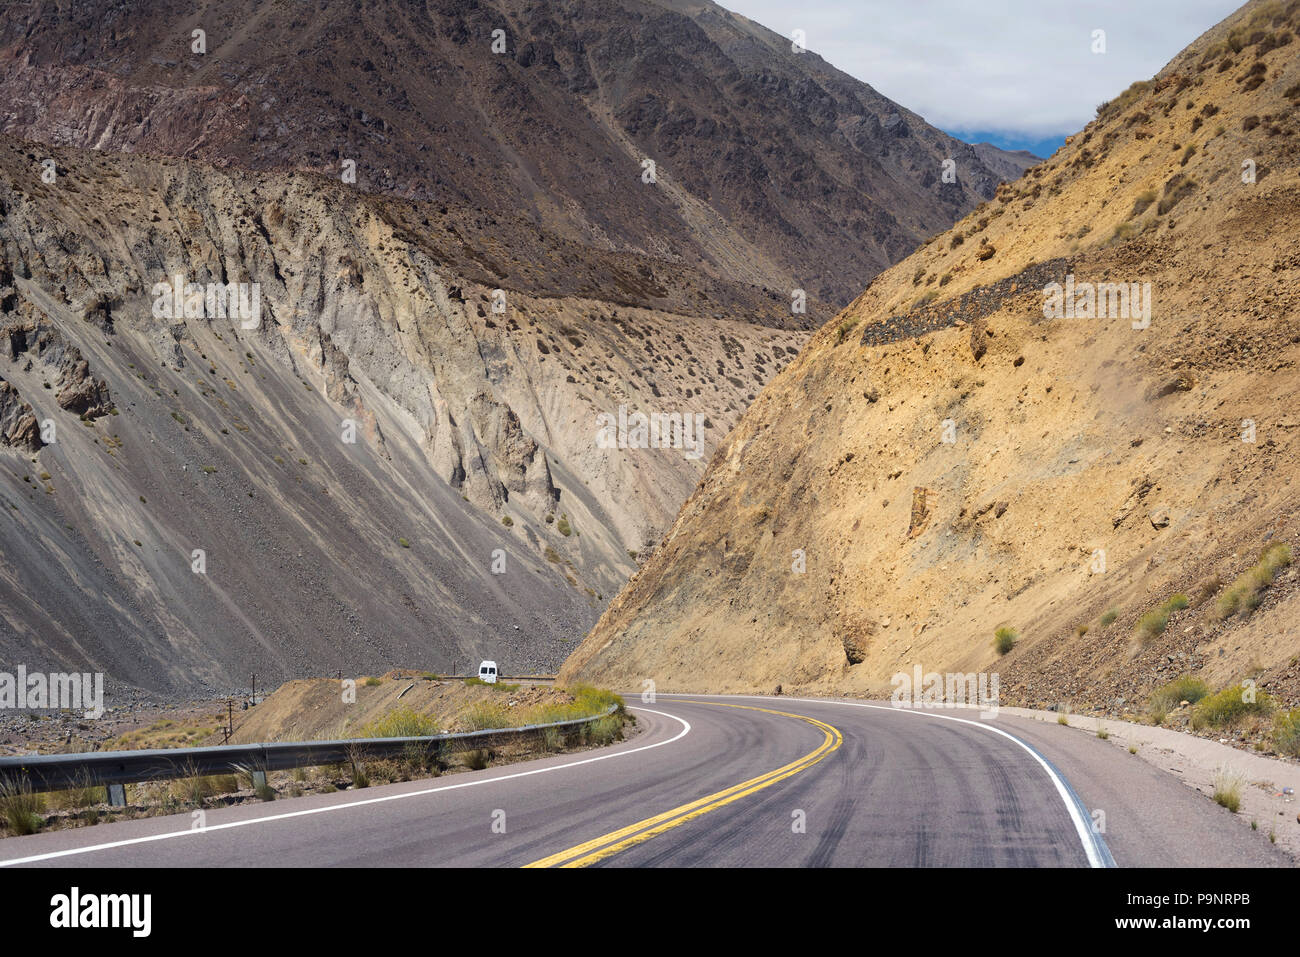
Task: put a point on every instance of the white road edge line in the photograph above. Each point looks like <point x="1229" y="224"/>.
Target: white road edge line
<point x="1094" y="847"/>
<point x="198" y="832"/>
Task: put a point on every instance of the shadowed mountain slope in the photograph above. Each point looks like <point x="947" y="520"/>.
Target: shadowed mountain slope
<point x="774" y="169"/>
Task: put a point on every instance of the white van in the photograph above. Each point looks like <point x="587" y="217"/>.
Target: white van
<point x="487" y="672"/>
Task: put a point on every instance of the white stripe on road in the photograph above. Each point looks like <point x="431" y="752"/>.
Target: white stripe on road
<point x="198" y="832"/>
<point x="1093" y="846"/>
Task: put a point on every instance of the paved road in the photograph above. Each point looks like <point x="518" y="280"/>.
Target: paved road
<point x="728" y="781"/>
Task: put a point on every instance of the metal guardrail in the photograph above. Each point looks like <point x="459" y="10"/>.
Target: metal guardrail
<point x="54" y="772"/>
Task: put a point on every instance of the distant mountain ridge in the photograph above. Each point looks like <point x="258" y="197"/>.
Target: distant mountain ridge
<point x="774" y="169"/>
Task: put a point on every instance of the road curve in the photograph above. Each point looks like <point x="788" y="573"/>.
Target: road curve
<point x="727" y="781"/>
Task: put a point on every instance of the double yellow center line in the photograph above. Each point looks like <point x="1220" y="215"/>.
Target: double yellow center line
<point x="602" y="847"/>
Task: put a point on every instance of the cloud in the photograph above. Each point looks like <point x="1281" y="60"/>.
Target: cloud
<point x="1024" y="68"/>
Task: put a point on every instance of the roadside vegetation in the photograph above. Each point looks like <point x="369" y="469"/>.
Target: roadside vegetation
<point x="1172" y="695"/>
<point x="477" y="682"/>
<point x="1230" y="707"/>
<point x="1245" y="594"/>
<point x="587" y="701"/>
<point x="166" y="733"/>
<point x="20" y="808"/>
<point x="24" y="812"/>
<point x="405" y="722"/>
<point x="1286" y="733"/>
<point x="1153" y="624"/>
<point x="1227" y="789"/>
<point x="1004" y="639"/>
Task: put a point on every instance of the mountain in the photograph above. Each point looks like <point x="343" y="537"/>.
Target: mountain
<point x="958" y="451"/>
<point x="774" y="170"/>
<point x="403" y="461"/>
<point x="349" y="467"/>
<point x="1009" y="165"/>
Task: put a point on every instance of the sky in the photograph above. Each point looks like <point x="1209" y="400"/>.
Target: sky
<point x="1021" y="74"/>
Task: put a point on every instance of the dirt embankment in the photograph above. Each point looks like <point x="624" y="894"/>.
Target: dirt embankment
<point x="947" y="458"/>
<point x="315" y="709"/>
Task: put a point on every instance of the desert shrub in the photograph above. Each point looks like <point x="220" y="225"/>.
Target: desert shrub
<point x="1286" y="733"/>
<point x="356" y="767"/>
<point x="1227" y="789"/>
<point x="1230" y="706"/>
<point x="1170" y="696"/>
<point x="1108" y="617"/>
<point x="1176" y="190"/>
<point x="605" y="730"/>
<point x="83" y="795"/>
<point x="404" y="722"/>
<point x="1144" y="200"/>
<point x="1125" y="99"/>
<point x="1004" y="639"/>
<point x="1207" y="589"/>
<point x="486" y="715"/>
<point x="1153" y="624"/>
<point x="196" y="789"/>
<point x="592" y="700"/>
<point x="20" y="807"/>
<point x="1245" y="594"/>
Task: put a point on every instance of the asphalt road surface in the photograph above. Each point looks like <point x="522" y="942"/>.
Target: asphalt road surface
<point x="728" y="781"/>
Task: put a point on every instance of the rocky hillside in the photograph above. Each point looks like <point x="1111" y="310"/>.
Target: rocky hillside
<point x="958" y="451"/>
<point x="439" y="334"/>
<point x="349" y="466"/>
<point x="772" y="168"/>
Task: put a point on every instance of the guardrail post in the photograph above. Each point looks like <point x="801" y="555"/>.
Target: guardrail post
<point x="117" y="795"/>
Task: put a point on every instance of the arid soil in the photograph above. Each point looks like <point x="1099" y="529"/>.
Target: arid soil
<point x="349" y="469"/>
<point x="398" y="464"/>
<point x="943" y="459"/>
